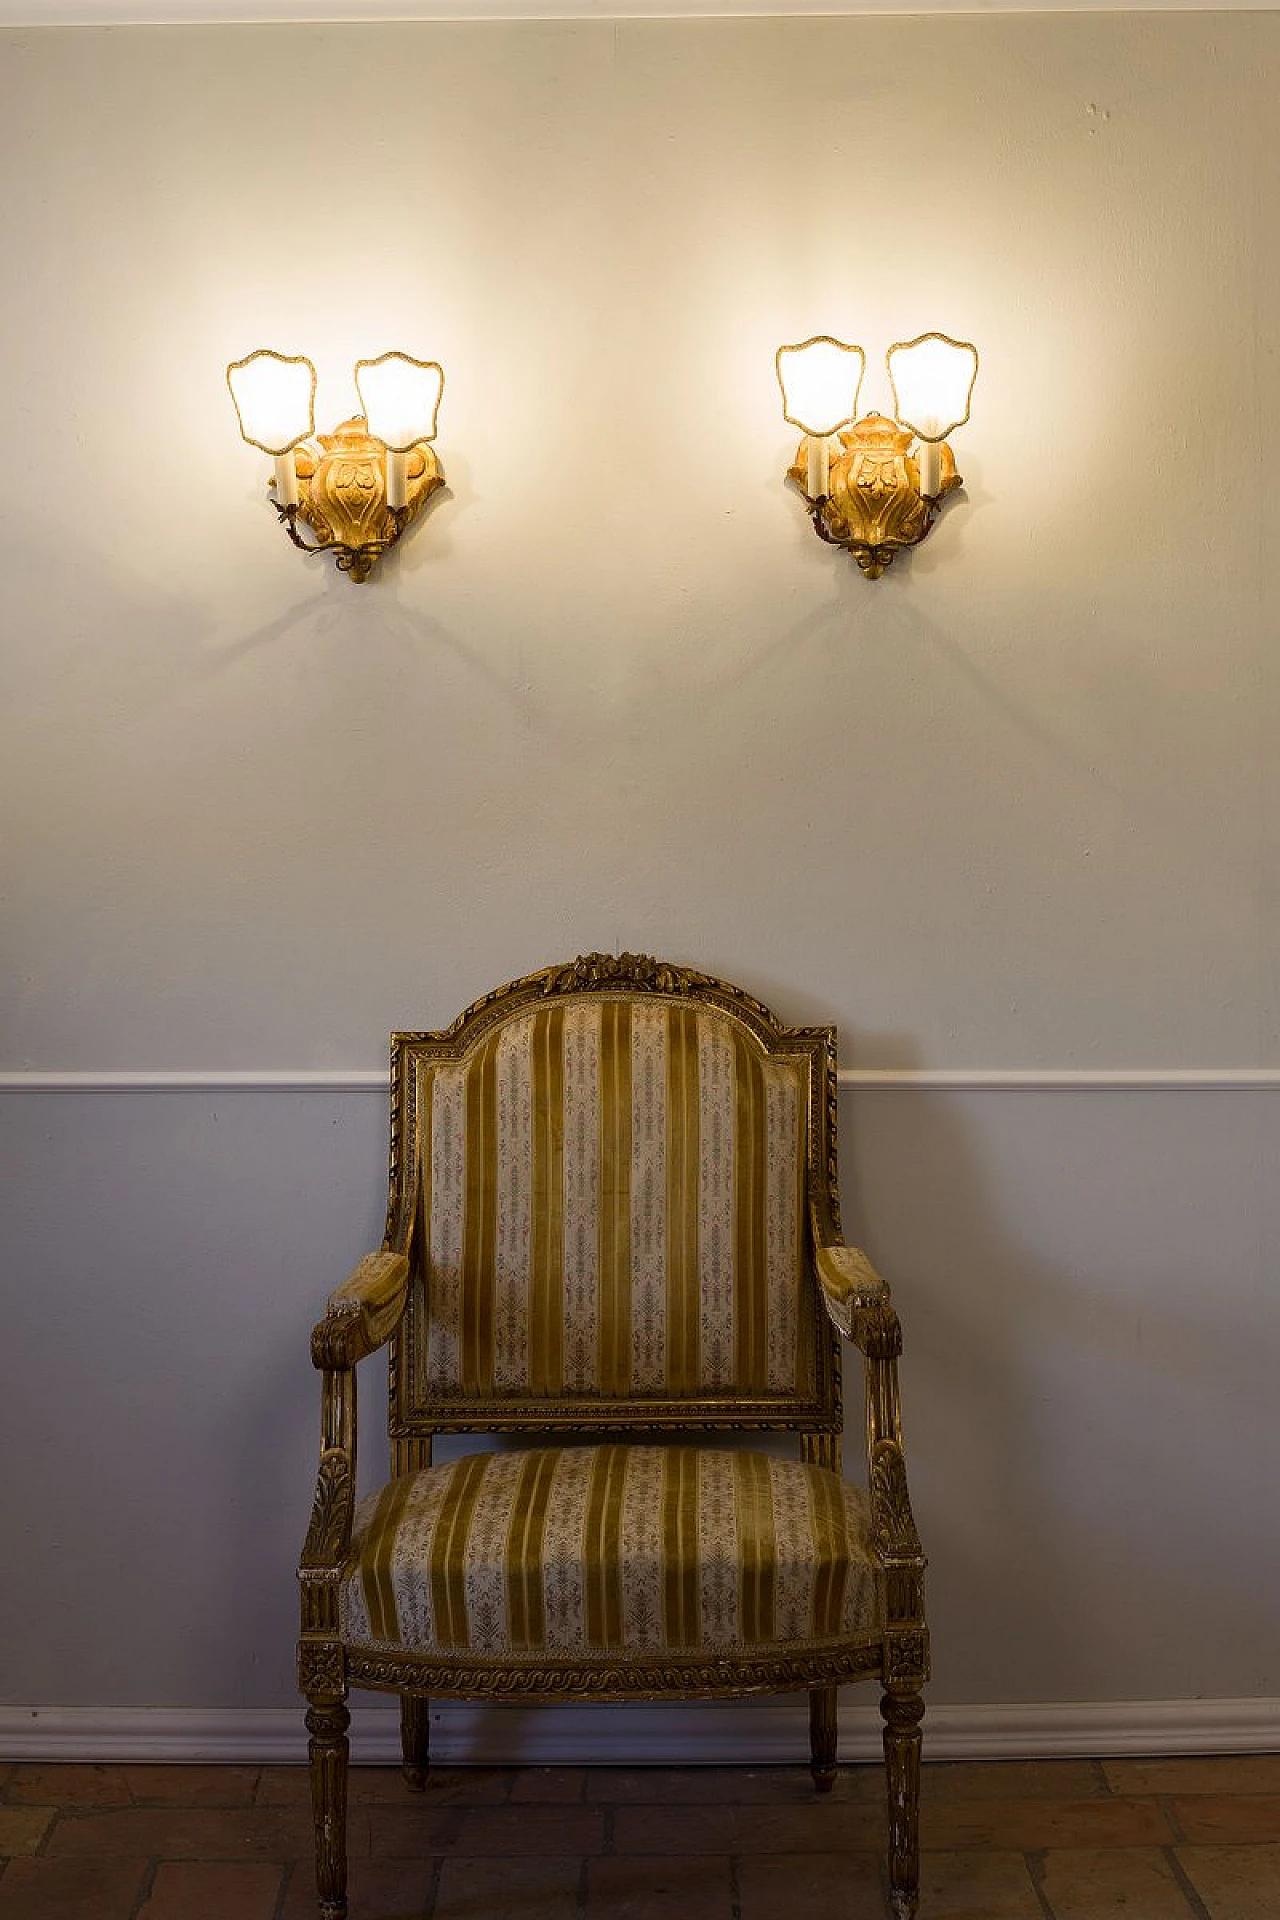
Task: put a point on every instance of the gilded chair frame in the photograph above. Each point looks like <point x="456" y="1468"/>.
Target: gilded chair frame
<point x="380" y="1306"/>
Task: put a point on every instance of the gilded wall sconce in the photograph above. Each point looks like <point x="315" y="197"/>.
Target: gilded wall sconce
<point x="866" y="490"/>
<point x="359" y="487"/>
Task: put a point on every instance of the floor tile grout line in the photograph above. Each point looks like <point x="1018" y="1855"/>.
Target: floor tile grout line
<point x="145" y="1886"/>
<point x="1190" y="1893"/>
<point x="433" y="1886"/>
<point x="735" y="1888"/>
<point x="41" y="1847"/>
<point x="288" y="1869"/>
<point x="1166" y="1804"/>
<point x="1035" y="1863"/>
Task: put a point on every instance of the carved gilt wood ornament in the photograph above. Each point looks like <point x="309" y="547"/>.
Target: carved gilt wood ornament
<point x="873" y="505"/>
<point x="343" y="497"/>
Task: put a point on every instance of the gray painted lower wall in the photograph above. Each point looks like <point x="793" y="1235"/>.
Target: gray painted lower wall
<point x="1086" y="1282"/>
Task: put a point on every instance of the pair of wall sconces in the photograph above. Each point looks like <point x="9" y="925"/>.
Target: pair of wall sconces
<point x="358" y="488"/>
<point x="866" y="491"/>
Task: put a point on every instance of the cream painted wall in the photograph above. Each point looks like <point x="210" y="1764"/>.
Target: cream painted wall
<point x="1014" y="805"/>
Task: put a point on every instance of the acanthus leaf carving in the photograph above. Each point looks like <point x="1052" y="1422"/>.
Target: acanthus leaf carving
<point x="873" y="505"/>
<point x="637" y="971"/>
<point x="331" y="1510"/>
<point x="892" y="1518"/>
<point x="874" y="1327"/>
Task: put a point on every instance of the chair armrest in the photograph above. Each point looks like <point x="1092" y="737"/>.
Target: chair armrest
<point x="363" y="1312"/>
<point x="859" y="1305"/>
<point x="857" y="1301"/>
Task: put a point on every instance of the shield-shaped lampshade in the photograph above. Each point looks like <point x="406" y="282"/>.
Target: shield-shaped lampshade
<point x="274" y="395"/>
<point x="820" y="381"/>
<point x="932" y="379"/>
<point x="400" y="397"/>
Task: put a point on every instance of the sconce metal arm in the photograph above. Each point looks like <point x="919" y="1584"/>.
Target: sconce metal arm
<point x="818" y="515"/>
<point x="353" y="560"/>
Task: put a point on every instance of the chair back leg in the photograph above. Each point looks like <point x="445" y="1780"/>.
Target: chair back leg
<point x="902" y="1710"/>
<point x="329" y="1749"/>
<point x="823" y="1729"/>
<point x="415" y="1738"/>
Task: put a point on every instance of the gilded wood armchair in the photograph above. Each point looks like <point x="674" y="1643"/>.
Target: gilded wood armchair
<point x="613" y="1222"/>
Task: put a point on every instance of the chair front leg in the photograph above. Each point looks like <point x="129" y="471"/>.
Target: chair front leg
<point x="902" y="1710"/>
<point x="415" y="1738"/>
<point x="823" y="1729"/>
<point x="327" y="1723"/>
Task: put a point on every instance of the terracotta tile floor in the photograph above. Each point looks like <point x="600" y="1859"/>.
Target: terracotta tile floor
<point x="1017" y="1840"/>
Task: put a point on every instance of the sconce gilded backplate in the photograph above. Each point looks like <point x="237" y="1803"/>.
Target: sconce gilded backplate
<point x="873" y="505"/>
<point x="342" y="496"/>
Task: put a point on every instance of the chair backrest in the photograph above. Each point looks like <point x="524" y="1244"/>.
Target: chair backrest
<point x="604" y="1175"/>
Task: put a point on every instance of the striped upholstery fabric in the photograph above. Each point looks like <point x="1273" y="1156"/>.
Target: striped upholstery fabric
<point x="614" y="1196"/>
<point x="570" y="1552"/>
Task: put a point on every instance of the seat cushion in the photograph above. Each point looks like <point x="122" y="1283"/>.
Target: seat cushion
<point x="570" y="1553"/>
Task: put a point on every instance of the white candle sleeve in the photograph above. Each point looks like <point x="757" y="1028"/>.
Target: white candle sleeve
<point x="929" y="458"/>
<point x="818" y="451"/>
<point x="286" y="479"/>
<point x="397" y="479"/>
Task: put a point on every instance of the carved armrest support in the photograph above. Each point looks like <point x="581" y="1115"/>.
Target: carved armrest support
<point x="897" y="1544"/>
<point x="857" y="1301"/>
<point x="363" y="1312"/>
<point x="329" y="1534"/>
<point x="892" y="1520"/>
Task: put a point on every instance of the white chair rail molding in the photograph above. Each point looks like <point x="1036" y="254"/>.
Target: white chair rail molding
<point x="868" y="492"/>
<point x="359" y="487"/>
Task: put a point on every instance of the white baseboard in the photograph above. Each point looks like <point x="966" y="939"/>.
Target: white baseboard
<point x="701" y="1734"/>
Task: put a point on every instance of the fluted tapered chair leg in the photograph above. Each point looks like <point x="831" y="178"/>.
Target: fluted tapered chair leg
<point x="902" y="1711"/>
<point x="415" y="1738"/>
<point x="823" y="1729"/>
<point x="327" y="1723"/>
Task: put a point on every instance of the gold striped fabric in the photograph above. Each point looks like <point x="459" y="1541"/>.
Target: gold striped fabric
<point x="593" y="1550"/>
<point x="614" y="1197"/>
